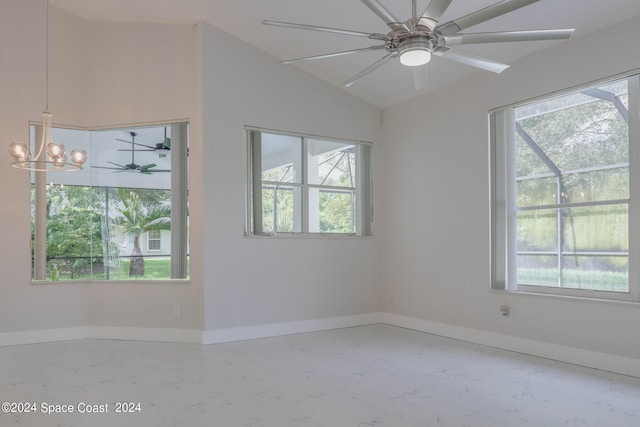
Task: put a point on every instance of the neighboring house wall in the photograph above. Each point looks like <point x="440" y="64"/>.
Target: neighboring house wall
<point x="125" y="242"/>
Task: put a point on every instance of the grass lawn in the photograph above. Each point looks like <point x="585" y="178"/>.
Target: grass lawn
<point x="614" y="281"/>
<point x="154" y="269"/>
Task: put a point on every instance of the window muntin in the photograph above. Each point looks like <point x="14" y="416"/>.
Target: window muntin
<point x="89" y="225"/>
<point x="308" y="185"/>
<point x="562" y="172"/>
<point x="154" y="240"/>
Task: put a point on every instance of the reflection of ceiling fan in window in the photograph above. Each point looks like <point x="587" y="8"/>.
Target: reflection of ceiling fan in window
<point x="161" y="147"/>
<point x="133" y="166"/>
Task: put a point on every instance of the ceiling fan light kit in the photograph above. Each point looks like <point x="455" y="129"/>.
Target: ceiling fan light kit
<point x="415" y="41"/>
<point x="414" y="53"/>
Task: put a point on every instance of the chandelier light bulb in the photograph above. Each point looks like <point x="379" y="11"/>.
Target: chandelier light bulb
<point x="19" y="151"/>
<point x="55" y="150"/>
<point x="58" y="162"/>
<point x="78" y="156"/>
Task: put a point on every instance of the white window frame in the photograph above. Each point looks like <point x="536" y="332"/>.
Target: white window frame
<point x="503" y="199"/>
<point x="362" y="189"/>
<point x="179" y="202"/>
<point x="156" y="240"/>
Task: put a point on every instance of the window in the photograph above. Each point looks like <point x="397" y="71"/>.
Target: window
<point x="154" y="240"/>
<point x="565" y="195"/>
<point x="307" y="185"/>
<point x="90" y="225"/>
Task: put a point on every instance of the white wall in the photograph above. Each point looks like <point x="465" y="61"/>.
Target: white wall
<point x="142" y="73"/>
<point x="436" y="171"/>
<point x="253" y="281"/>
<point x="113" y="74"/>
<point x="431" y="255"/>
<point x="22" y="87"/>
<point x="101" y="74"/>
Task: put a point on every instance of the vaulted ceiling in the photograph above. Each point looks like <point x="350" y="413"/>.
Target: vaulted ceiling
<point x="388" y="84"/>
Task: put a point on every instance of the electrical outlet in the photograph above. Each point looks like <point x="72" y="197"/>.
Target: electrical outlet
<point x="505" y="312"/>
<point x="176" y="311"/>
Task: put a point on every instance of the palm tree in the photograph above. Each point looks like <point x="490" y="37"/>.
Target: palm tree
<point x="137" y="218"/>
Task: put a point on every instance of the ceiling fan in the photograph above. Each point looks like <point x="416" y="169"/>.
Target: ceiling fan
<point x="131" y="167"/>
<point x="160" y="147"/>
<point x="414" y="41"/>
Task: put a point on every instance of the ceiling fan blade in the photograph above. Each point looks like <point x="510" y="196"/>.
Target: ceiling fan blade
<point x="434" y="12"/>
<point x="369" y="69"/>
<point x="331" y="55"/>
<point x="509" y="36"/>
<point x="473" y="60"/>
<point x="134" y="143"/>
<point x="420" y="80"/>
<point x="121" y="166"/>
<point x="377" y="8"/>
<point x="324" y="29"/>
<point x="107" y="167"/>
<point x="482" y="15"/>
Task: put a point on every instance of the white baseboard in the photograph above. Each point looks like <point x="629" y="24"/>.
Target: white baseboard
<point x="43" y="335"/>
<point x="101" y="332"/>
<point x="575" y="356"/>
<point x="215" y="336"/>
<point x="146" y="334"/>
<point x="572" y="355"/>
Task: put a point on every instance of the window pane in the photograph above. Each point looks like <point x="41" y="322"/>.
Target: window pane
<point x="96" y="219"/>
<point x="537" y="191"/>
<point x="596" y="229"/>
<point x="331" y="163"/>
<point x="541" y="270"/>
<point x="603" y="273"/>
<point x="281" y="211"/>
<point x="336" y="211"/>
<point x="580" y="130"/>
<point x="307" y="185"/>
<point x="73" y="231"/>
<point x="537" y="230"/>
<point x="574" y="149"/>
<point x="281" y="158"/>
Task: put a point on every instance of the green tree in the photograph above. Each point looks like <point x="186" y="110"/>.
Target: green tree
<point x="140" y="213"/>
<point x="73" y="234"/>
<point x="586" y="139"/>
<point x="336" y="208"/>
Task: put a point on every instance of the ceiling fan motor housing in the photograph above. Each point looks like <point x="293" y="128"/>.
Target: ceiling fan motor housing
<point x="414" y="48"/>
<point x="420" y="37"/>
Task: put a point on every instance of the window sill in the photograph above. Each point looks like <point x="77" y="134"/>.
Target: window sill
<point x="533" y="294"/>
<point x="112" y="282"/>
<point x="295" y="236"/>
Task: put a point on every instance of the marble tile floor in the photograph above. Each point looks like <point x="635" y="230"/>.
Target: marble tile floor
<point x="370" y="376"/>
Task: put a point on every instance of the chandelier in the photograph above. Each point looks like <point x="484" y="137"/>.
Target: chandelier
<point x="51" y="156"/>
